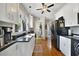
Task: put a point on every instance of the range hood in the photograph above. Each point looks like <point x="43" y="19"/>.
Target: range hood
<point x="5" y="24"/>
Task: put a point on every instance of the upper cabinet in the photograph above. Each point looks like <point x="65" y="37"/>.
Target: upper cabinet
<point x="12" y="12"/>
<point x="8" y="12"/>
<point x="3" y="12"/>
<point x="14" y="15"/>
<point x="69" y="12"/>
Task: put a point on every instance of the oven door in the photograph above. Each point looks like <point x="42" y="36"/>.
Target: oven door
<point x="75" y="47"/>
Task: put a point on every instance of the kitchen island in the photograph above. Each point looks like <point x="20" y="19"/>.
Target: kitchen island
<point x="22" y="46"/>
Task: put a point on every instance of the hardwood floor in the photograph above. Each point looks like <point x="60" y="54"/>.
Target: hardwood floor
<point x="42" y="49"/>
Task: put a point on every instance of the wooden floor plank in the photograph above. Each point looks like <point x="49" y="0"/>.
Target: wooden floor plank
<point x="41" y="49"/>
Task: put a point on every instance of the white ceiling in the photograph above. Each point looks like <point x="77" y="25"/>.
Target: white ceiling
<point x="37" y="13"/>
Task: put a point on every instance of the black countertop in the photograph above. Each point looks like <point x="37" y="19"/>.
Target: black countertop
<point x="7" y="45"/>
<point x="71" y="37"/>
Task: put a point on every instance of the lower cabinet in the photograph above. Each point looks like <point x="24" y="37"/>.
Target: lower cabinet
<point x="19" y="49"/>
<point x="65" y="45"/>
<point x="22" y="48"/>
<point x="9" y="51"/>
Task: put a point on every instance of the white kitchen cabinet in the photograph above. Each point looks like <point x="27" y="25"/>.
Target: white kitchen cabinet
<point x="20" y="49"/>
<point x="10" y="51"/>
<point x="65" y="45"/>
<point x="4" y="53"/>
<point x="12" y="12"/>
<point x="25" y="48"/>
<point x="2" y="11"/>
<point x="9" y="13"/>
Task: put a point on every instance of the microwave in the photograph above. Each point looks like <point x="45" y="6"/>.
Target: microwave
<point x="1" y="31"/>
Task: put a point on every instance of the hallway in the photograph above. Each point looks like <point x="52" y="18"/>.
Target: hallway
<point x="41" y="49"/>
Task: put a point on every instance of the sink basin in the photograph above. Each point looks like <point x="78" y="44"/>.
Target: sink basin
<point x="25" y="38"/>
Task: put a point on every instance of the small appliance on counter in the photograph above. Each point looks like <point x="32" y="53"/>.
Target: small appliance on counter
<point x="7" y="34"/>
<point x="69" y="32"/>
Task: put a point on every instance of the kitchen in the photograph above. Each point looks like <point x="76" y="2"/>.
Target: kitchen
<point x="14" y="39"/>
<point x="67" y="33"/>
<point x="21" y="24"/>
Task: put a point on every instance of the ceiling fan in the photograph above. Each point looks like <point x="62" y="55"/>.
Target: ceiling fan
<point x="45" y="8"/>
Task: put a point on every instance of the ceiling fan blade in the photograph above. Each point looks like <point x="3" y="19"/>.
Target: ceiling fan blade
<point x="39" y="9"/>
<point x="48" y="10"/>
<point x="42" y="12"/>
<point x="50" y="5"/>
<point x="43" y="4"/>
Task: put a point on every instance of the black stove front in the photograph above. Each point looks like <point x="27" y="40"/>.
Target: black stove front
<point x="7" y="37"/>
<point x="74" y="47"/>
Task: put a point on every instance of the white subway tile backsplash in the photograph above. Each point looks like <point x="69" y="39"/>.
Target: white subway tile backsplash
<point x="75" y="30"/>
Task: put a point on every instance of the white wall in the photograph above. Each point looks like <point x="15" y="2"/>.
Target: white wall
<point x="49" y="33"/>
<point x="69" y="12"/>
<point x="43" y="27"/>
<point x="75" y="30"/>
<point x="37" y="22"/>
<point x="27" y="23"/>
<point x="31" y="21"/>
<point x="64" y="11"/>
<point x="24" y="16"/>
